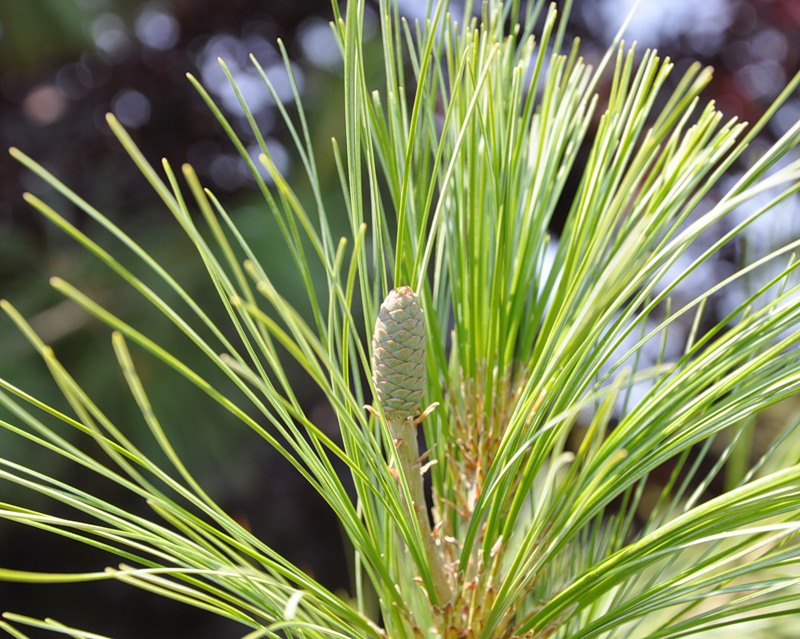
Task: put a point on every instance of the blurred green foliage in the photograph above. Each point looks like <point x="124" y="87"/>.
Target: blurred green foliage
<point x="36" y="32"/>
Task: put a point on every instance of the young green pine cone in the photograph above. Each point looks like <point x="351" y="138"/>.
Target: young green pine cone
<point x="398" y="354"/>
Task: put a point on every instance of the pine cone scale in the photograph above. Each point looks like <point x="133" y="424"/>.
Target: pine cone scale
<point x="398" y="354"/>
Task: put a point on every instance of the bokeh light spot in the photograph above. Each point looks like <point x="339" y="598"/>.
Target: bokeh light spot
<point x="44" y="104"/>
<point x="108" y="33"/>
<point x="319" y="45"/>
<point x="131" y="108"/>
<point x="156" y="28"/>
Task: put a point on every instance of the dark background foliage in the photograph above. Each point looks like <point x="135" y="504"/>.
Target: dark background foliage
<point x="65" y="63"/>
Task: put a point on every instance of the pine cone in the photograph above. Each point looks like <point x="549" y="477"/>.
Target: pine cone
<point x="398" y="354"/>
